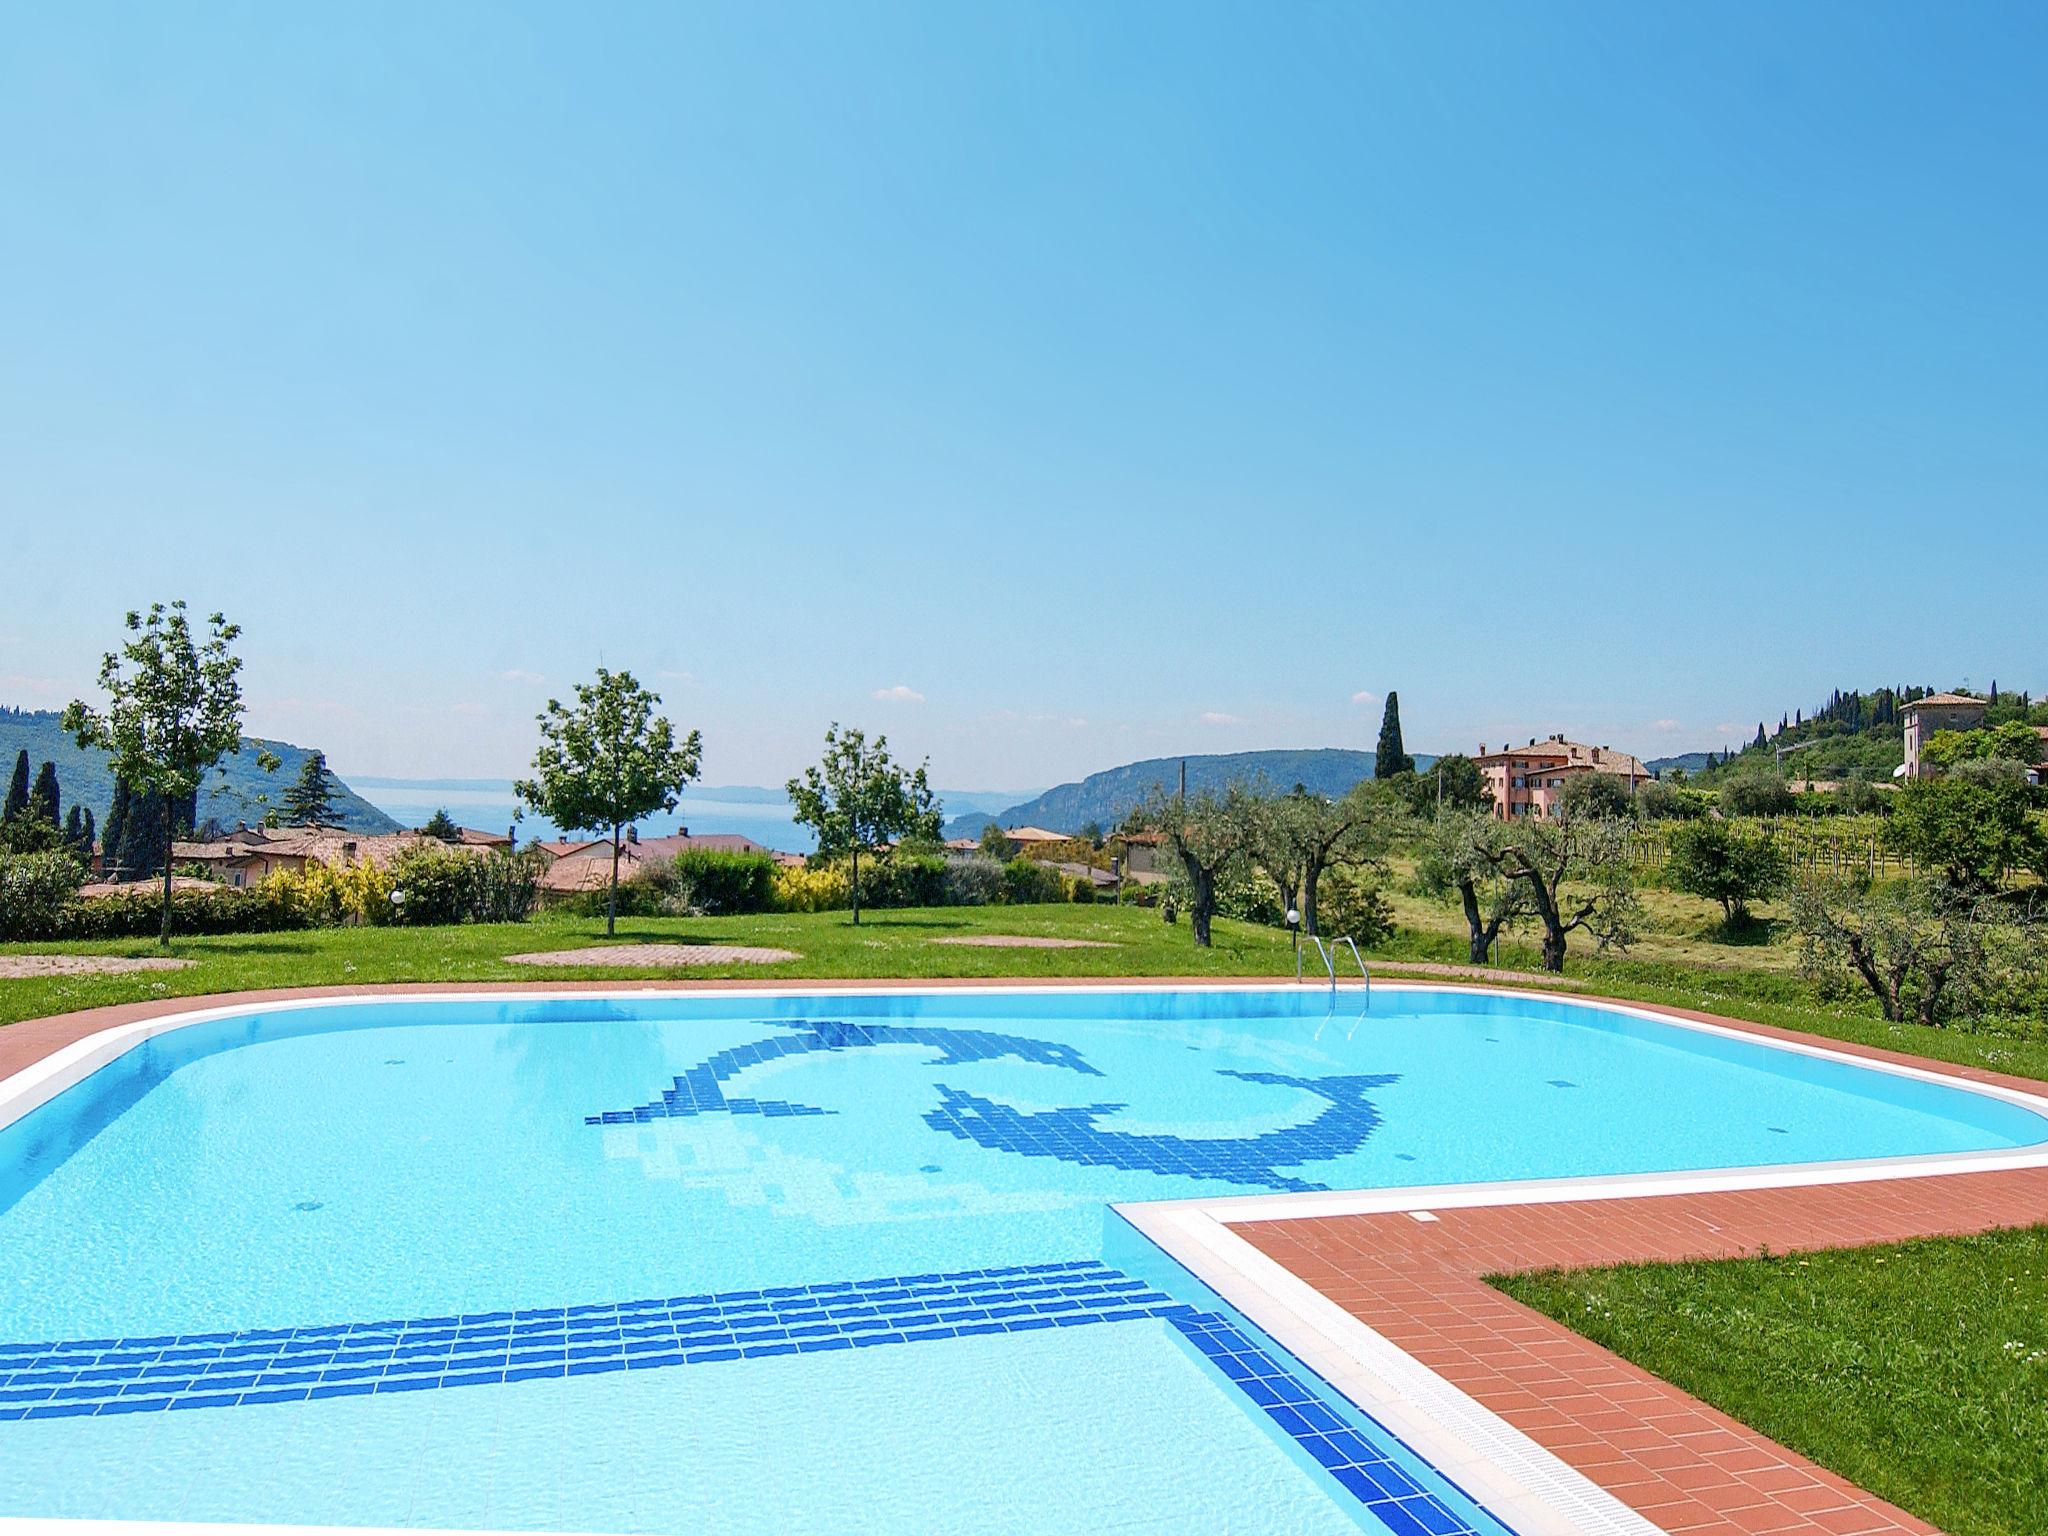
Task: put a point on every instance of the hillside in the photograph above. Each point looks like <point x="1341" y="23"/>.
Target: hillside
<point x="1855" y="734"/>
<point x="237" y="793"/>
<point x="1107" y="797"/>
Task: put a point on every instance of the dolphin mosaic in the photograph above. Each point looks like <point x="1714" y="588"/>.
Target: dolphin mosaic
<point x="1073" y="1136"/>
<point x="700" y="1090"/>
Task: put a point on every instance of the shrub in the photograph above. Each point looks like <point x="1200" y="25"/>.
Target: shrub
<point x="1730" y="864"/>
<point x="35" y="888"/>
<point x="1026" y="881"/>
<point x="727" y="882"/>
<point x="1081" y="890"/>
<point x="138" y="912"/>
<point x="445" y="885"/>
<point x="1659" y="801"/>
<point x="975" y="882"/>
<point x="1755" y="791"/>
<point x="814" y="888"/>
<point x="1351" y="901"/>
<point x="903" y="880"/>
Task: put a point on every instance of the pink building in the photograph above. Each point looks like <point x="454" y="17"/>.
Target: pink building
<point x="1528" y="781"/>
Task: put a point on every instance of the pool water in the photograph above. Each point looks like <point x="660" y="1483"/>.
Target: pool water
<point x="789" y="1262"/>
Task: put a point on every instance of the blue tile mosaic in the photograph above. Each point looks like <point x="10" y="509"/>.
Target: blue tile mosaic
<point x="1367" y="1473"/>
<point x="78" y="1377"/>
<point x="1071" y="1134"/>
<point x="700" y="1090"/>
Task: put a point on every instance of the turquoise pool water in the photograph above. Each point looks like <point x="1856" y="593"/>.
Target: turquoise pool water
<point x="790" y="1263"/>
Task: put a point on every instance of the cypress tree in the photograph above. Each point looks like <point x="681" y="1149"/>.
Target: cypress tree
<point x="117" y="824"/>
<point x="1392" y="758"/>
<point x="17" y="788"/>
<point x="85" y="842"/>
<point x="42" y="800"/>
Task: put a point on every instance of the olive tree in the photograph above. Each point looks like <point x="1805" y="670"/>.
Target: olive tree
<point x="856" y="797"/>
<point x="174" y="710"/>
<point x="1299" y="836"/>
<point x="1455" y="859"/>
<point x="605" y="762"/>
<point x="1545" y="853"/>
<point x="1207" y="835"/>
<point x="1926" y="951"/>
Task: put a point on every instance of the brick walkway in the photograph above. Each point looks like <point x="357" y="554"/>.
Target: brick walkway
<point x="1689" y="1469"/>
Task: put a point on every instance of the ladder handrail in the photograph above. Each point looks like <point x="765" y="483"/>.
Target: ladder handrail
<point x="1329" y="964"/>
<point x="1362" y="971"/>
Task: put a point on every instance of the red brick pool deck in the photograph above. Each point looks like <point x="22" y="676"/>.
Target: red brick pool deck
<point x="1687" y="1468"/>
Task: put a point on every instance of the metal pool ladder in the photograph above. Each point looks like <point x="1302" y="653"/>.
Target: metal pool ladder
<point x="1328" y="953"/>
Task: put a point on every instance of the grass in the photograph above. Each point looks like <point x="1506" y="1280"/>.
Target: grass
<point x="1680" y="963"/>
<point x="1917" y="1370"/>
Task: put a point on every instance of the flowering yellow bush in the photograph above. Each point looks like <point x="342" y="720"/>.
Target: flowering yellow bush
<point x="811" y="890"/>
<point x="328" y="896"/>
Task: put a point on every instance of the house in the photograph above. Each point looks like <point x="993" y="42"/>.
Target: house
<point x="1027" y="837"/>
<point x="1530" y="781"/>
<point x="1937" y="712"/>
<point x="247" y="855"/>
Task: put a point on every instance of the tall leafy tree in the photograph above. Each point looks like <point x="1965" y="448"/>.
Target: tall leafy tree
<point x="174" y="710"/>
<point x="309" y="800"/>
<point x="1392" y="757"/>
<point x="605" y="762"/>
<point x="441" y="825"/>
<point x="856" y="796"/>
<point x="17" y="788"/>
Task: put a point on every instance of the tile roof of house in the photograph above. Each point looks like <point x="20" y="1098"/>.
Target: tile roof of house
<point x="1034" y="835"/>
<point x="1576" y="754"/>
<point x="587" y="866"/>
<point x="1941" y="699"/>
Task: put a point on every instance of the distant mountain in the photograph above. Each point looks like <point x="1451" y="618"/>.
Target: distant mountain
<point x="1691" y="762"/>
<point x="240" y="791"/>
<point x="1107" y="797"/>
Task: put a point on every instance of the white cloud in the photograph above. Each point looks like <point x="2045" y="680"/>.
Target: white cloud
<point x="519" y="675"/>
<point x="1365" y="696"/>
<point x="1218" y="717"/>
<point x="1666" y="726"/>
<point x="902" y="693"/>
<point x="687" y="679"/>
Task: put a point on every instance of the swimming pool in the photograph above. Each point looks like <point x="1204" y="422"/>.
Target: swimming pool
<point x="794" y="1261"/>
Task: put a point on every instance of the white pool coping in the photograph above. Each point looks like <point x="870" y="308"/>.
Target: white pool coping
<point x="1532" y="1490"/>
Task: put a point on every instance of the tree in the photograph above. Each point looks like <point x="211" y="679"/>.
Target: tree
<point x="1459" y="784"/>
<point x="1927" y="952"/>
<point x="309" y="802"/>
<point x="1458" y="858"/>
<point x="17" y="788"/>
<point x="174" y="710"/>
<point x="1727" y="863"/>
<point x="441" y="825"/>
<point x="1392" y="758"/>
<point x="856" y="797"/>
<point x="996" y="844"/>
<point x="1298" y="836"/>
<point x="116" y="827"/>
<point x="1966" y="832"/>
<point x="43" y="798"/>
<point x="1595" y="794"/>
<point x="1543" y="853"/>
<point x="1208" y="835"/>
<point x="1755" y="791"/>
<point x="606" y="762"/>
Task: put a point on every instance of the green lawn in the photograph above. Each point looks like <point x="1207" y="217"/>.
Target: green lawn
<point x="1917" y="1370"/>
<point x="897" y="944"/>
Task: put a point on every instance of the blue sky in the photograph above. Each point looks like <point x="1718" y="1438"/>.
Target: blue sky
<point x="1045" y="385"/>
